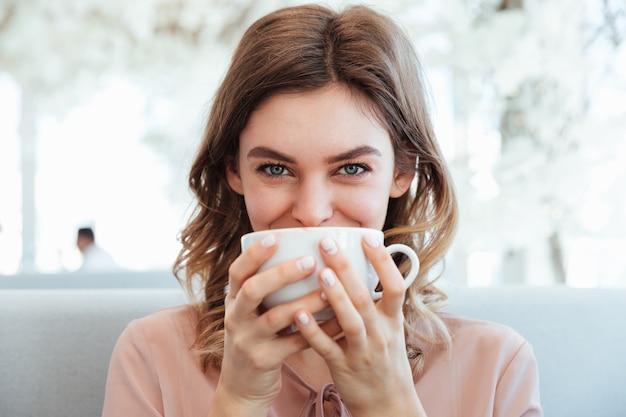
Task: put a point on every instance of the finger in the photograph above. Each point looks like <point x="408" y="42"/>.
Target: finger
<point x="249" y="262"/>
<point x="390" y="277"/>
<point x="292" y="341"/>
<point x="354" y="286"/>
<point x="320" y="341"/>
<point x="254" y="289"/>
<point x="280" y="318"/>
<point x="346" y="311"/>
<point x="332" y="328"/>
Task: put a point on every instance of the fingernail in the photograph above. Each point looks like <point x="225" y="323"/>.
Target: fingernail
<point x="323" y="296"/>
<point x="328" y="277"/>
<point x="329" y="246"/>
<point x="303" y="318"/>
<point x="372" y="240"/>
<point x="268" y="241"/>
<point x="306" y="262"/>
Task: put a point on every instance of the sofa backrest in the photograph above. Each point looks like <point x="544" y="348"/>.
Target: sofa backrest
<point x="579" y="339"/>
<point x="55" y="344"/>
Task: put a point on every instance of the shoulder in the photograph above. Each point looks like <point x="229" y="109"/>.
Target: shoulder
<point x="490" y="340"/>
<point x="182" y="315"/>
<point x="154" y="368"/>
<point x="170" y="327"/>
<point x="480" y="331"/>
<point x="490" y="366"/>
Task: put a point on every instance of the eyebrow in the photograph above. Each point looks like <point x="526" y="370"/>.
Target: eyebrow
<point x="264" y="152"/>
<point x="354" y="153"/>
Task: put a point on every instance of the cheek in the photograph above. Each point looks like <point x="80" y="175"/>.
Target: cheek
<point x="367" y="208"/>
<point x="263" y="208"/>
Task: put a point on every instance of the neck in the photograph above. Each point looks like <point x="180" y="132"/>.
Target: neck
<point x="311" y="368"/>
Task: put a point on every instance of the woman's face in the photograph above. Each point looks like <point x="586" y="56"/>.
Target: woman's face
<point x="316" y="159"/>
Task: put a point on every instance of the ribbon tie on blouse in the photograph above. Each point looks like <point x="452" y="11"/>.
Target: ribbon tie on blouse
<point x="314" y="407"/>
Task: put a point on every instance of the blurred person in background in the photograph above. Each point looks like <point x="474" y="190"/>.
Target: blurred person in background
<point x="94" y="257"/>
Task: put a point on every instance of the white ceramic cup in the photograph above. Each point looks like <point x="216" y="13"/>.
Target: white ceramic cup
<point x="297" y="242"/>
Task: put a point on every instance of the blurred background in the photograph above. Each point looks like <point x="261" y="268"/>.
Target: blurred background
<point x="102" y="104"/>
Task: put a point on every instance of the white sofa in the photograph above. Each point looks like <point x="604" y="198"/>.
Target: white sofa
<point x="57" y="334"/>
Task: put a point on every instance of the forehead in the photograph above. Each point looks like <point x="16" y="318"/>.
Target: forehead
<point x="335" y="113"/>
<point x="339" y="91"/>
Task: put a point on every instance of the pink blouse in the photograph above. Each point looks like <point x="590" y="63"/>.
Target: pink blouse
<point x="491" y="371"/>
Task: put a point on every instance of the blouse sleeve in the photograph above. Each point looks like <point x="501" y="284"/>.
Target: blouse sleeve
<point x="132" y="387"/>
<point x="517" y="392"/>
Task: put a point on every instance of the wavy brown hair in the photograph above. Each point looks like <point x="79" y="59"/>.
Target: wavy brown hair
<point x="300" y="49"/>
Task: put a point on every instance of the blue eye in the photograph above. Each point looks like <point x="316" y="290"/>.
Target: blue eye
<point x="352" y="169"/>
<point x="274" y="170"/>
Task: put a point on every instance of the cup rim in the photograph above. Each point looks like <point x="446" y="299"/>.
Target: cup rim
<point x="313" y="228"/>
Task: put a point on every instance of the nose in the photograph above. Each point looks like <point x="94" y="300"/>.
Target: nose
<point x="313" y="203"/>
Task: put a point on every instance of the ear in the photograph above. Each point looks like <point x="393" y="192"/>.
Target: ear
<point x="401" y="183"/>
<point x="233" y="178"/>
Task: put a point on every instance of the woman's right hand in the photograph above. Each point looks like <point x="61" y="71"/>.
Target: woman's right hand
<point x="250" y="377"/>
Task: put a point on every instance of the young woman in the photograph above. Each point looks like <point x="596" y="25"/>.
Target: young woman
<point x="321" y="120"/>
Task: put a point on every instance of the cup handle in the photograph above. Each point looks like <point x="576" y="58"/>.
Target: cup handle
<point x="415" y="266"/>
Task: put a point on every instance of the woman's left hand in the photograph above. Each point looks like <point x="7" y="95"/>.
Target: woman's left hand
<point x="368" y="363"/>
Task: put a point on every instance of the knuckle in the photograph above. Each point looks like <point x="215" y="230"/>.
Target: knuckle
<point x="352" y="329"/>
<point x="395" y="284"/>
<point x="283" y="270"/>
<point x="361" y="300"/>
<point x="287" y="272"/>
<point x="341" y="266"/>
<point x="395" y="288"/>
<point x="273" y="318"/>
<point x="325" y="351"/>
<point x="233" y="271"/>
<point x="248" y="290"/>
<point x="379" y="256"/>
<point x="229" y="321"/>
<point x="342" y="263"/>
